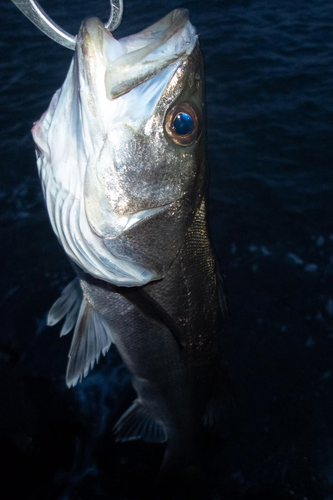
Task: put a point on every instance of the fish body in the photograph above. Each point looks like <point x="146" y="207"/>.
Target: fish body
<point x="121" y="156"/>
<point x="175" y="384"/>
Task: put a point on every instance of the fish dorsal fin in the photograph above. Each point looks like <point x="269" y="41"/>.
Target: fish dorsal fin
<point x="136" y="423"/>
<point x="92" y="336"/>
<point x="68" y="306"/>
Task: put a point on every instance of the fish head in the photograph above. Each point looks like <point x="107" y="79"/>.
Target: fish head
<point x="121" y="149"/>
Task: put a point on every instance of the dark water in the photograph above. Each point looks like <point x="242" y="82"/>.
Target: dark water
<point x="269" y="73"/>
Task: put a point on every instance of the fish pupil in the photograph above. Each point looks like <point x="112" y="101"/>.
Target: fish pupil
<point x="183" y="124"/>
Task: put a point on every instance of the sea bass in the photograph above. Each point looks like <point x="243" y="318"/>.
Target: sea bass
<point x="121" y="157"/>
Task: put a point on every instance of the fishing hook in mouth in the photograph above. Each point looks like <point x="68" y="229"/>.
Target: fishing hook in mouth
<point x="34" y="12"/>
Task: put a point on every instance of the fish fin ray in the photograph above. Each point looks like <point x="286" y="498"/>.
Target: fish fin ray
<point x="66" y="305"/>
<point x="136" y="423"/>
<point x="221" y="399"/>
<point x="71" y="317"/>
<point x="92" y="337"/>
<point x="222" y="294"/>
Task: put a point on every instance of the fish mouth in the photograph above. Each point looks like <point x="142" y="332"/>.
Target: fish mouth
<point x="135" y="59"/>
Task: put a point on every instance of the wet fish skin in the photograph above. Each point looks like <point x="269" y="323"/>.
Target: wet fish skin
<point x="174" y="385"/>
<point x="128" y="204"/>
<point x="107" y="165"/>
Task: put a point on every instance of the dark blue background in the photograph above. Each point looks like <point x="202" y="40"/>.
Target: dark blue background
<point x="269" y="76"/>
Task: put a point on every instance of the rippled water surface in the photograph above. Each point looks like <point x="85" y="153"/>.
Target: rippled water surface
<point x="269" y="81"/>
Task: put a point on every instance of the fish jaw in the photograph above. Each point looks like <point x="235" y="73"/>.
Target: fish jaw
<point x="135" y="59"/>
<point x="150" y="52"/>
<point x="107" y="167"/>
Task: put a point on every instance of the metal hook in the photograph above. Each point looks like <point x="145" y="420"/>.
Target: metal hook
<point x="33" y="11"/>
<point x="116" y="15"/>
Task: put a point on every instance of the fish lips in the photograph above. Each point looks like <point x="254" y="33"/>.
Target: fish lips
<point x="137" y="58"/>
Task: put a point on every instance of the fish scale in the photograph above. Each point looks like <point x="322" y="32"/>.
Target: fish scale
<point x="174" y="385"/>
<point x="121" y="157"/>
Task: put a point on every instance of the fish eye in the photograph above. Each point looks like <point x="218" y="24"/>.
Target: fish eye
<point x="182" y="124"/>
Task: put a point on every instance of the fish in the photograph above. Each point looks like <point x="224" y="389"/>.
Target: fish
<point x="121" y="154"/>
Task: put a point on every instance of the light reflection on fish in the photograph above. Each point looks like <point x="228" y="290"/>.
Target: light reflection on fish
<point x="121" y="157"/>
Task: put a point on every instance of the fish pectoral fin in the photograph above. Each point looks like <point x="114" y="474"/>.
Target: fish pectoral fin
<point x="67" y="306"/>
<point x="151" y="308"/>
<point x="92" y="337"/>
<point x="136" y="423"/>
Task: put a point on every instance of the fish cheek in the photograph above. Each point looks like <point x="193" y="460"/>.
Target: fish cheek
<point x="156" y="240"/>
<point x="142" y="173"/>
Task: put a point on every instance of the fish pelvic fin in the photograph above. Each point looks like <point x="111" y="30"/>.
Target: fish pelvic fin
<point x="66" y="306"/>
<point x="92" y="337"/>
<point x="136" y="423"/>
